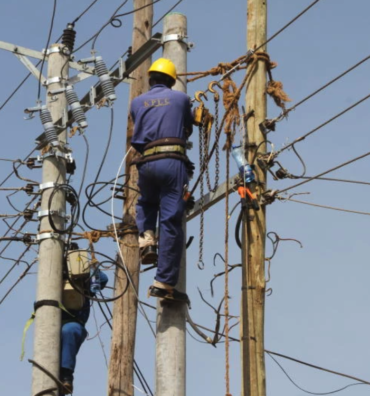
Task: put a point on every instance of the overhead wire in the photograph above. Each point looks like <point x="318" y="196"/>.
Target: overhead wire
<point x="325" y="173"/>
<point x="323" y="124"/>
<point x="38" y="63"/>
<point x="325" y="206"/>
<point x="46" y="48"/>
<point x="288" y="110"/>
<point x="309" y="392"/>
<point x="167" y="12"/>
<point x="137" y="370"/>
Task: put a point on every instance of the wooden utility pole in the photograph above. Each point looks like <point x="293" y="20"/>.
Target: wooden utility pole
<point x="254" y="224"/>
<point x="121" y="378"/>
<point x="51" y="251"/>
<point x="171" y="325"/>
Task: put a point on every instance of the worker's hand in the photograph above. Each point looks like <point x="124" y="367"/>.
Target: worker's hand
<point x="190" y="167"/>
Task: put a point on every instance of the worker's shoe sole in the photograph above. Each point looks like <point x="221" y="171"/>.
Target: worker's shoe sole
<point x="171" y="295"/>
<point x="67" y="388"/>
<point x="148" y="255"/>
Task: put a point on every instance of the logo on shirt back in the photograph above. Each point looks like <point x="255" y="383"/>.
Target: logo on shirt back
<point x="157" y="102"/>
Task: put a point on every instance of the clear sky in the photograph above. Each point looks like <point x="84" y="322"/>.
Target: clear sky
<point x="318" y="311"/>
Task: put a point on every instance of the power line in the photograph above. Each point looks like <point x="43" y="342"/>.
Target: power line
<point x="325" y="173"/>
<point x="284" y="113"/>
<point x="46" y="47"/>
<point x="306" y="391"/>
<point x="323" y="124"/>
<point x="84" y="12"/>
<point x="336" y="180"/>
<point x="167" y="12"/>
<point x="324" y="206"/>
<point x="38" y="63"/>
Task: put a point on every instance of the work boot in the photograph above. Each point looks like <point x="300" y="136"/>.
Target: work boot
<point x="148" y="255"/>
<point x="66" y="378"/>
<point x="148" y="247"/>
<point x="171" y="295"/>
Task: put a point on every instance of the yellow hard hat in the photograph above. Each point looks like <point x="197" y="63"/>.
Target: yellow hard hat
<point x="165" y="66"/>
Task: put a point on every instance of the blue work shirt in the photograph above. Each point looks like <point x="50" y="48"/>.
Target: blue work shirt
<point x="160" y="113"/>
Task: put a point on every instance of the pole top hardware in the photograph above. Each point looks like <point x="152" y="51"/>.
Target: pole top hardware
<point x="50" y="235"/>
<point x="59" y="213"/>
<point x="52" y="80"/>
<point x="67" y="156"/>
<point x="45" y="186"/>
<point x="178" y="37"/>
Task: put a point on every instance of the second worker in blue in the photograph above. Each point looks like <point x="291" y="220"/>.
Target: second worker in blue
<point x="163" y="121"/>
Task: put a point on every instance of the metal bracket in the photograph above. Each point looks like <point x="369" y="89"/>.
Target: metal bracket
<point x="49" y="51"/>
<point x="59" y="213"/>
<point x="30" y="66"/>
<point x="52" y="80"/>
<point x="51" y="235"/>
<point x="67" y="156"/>
<point x="79" y="77"/>
<point x="45" y="186"/>
<point x="178" y="37"/>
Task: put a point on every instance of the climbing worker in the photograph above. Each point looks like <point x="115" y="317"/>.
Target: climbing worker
<point x="74" y="333"/>
<point x="163" y="121"/>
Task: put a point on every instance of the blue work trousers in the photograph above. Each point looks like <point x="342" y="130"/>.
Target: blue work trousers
<point x="161" y="184"/>
<point x="73" y="335"/>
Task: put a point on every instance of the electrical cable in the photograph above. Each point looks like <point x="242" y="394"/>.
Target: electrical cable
<point x="137" y="370"/>
<point x="85" y="162"/>
<point x="326" y="85"/>
<point x="38" y="63"/>
<point x="101" y="29"/>
<point x="304" y="390"/>
<point x="15" y="169"/>
<point x="337" y="180"/>
<point x="46" y="48"/>
<point x="325" y="173"/>
<point x="84" y="12"/>
<point x="72" y="198"/>
<point x="323" y="124"/>
<point x="171" y="9"/>
<point x="140" y="305"/>
<point x="325" y="207"/>
<point x="99" y="171"/>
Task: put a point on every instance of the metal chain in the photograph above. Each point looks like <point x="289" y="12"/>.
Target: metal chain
<point x="217" y="152"/>
<point x="201" y="165"/>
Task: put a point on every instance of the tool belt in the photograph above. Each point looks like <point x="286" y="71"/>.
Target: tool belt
<point x="165" y="148"/>
<point x="162" y="148"/>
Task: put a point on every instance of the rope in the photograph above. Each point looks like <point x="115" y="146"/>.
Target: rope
<point x="226" y="307"/>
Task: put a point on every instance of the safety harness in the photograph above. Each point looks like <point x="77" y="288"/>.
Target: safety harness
<point x="163" y="148"/>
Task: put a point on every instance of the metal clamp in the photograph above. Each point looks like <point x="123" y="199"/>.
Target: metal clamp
<point x="52" y="80"/>
<point x="67" y="156"/>
<point x="51" y="50"/>
<point x="59" y="213"/>
<point x="47" y="185"/>
<point x="51" y="235"/>
<point x="178" y="37"/>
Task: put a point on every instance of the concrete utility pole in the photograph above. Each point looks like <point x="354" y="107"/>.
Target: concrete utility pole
<point x="254" y="227"/>
<point x="51" y="251"/>
<point x="171" y="334"/>
<point x="121" y="378"/>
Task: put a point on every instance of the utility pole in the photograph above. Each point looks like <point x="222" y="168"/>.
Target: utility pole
<point x="121" y="378"/>
<point x="254" y="223"/>
<point x="171" y="325"/>
<point x="51" y="251"/>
